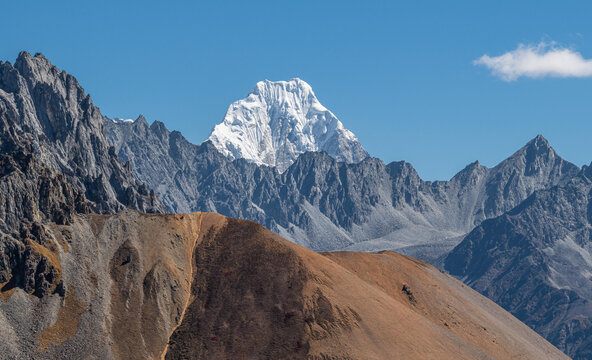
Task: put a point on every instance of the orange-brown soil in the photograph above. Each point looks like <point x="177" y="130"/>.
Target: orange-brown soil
<point x="202" y="286"/>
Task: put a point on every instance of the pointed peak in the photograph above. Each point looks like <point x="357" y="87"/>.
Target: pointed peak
<point x="159" y="126"/>
<point x="402" y="169"/>
<point x="23" y="55"/>
<point x="278" y="121"/>
<point x="474" y="165"/>
<point x="539" y="146"/>
<point x="292" y="82"/>
<point x="38" y="69"/>
<point x="474" y="168"/>
<point x="25" y="58"/>
<point x="539" y="142"/>
<point x="536" y="156"/>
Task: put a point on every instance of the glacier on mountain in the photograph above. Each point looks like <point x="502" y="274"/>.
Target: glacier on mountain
<point x="278" y="121"/>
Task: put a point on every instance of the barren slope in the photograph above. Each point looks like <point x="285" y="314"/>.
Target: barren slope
<point x="217" y="288"/>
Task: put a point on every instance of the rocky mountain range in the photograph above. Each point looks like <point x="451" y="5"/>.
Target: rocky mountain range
<point x="86" y="269"/>
<point x="45" y="112"/>
<point x="536" y="262"/>
<point x="325" y="204"/>
<point x="75" y="282"/>
<point x="280" y="120"/>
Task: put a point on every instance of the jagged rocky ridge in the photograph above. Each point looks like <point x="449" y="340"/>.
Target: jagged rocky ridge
<point x="55" y="162"/>
<point x="278" y="121"/>
<point x="33" y="196"/>
<point x="44" y="111"/>
<point x="536" y="262"/>
<point x="325" y="204"/>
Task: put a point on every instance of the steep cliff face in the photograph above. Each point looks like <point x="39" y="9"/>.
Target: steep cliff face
<point x="33" y="196"/>
<point x="536" y="262"/>
<point x="325" y="204"/>
<point x="148" y="286"/>
<point x="45" y="112"/>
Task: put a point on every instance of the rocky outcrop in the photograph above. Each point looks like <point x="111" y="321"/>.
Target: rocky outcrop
<point x="151" y="286"/>
<point x="32" y="196"/>
<point x="45" y="112"/>
<point x="536" y="261"/>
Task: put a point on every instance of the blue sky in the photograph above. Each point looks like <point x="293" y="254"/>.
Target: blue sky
<point x="400" y="75"/>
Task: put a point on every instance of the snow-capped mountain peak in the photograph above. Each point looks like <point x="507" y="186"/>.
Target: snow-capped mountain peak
<point x="122" y="121"/>
<point x="278" y="121"/>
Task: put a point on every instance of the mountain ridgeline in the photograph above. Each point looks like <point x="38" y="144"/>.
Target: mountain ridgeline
<point x="45" y="112"/>
<point x="536" y="262"/>
<point x="325" y="204"/>
<point x="89" y="264"/>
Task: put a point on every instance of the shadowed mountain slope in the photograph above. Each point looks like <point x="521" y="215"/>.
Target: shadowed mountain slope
<point x="55" y="162"/>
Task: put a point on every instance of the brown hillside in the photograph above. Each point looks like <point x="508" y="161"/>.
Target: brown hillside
<point x="202" y="286"/>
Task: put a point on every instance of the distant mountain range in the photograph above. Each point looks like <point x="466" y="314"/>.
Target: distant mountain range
<point x="84" y="269"/>
<point x="325" y="204"/>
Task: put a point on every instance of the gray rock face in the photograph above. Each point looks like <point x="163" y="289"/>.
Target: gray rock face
<point x="329" y="205"/>
<point x="32" y="196"/>
<point x="45" y="112"/>
<point x="536" y="261"/>
<point x="54" y="162"/>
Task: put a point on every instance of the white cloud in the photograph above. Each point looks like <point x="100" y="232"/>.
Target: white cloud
<point x="537" y="61"/>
